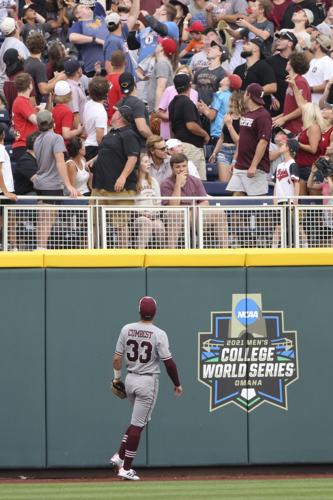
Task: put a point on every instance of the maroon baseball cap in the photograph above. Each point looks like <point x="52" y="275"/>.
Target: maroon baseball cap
<point x="147" y="307"/>
<point x="256" y="93"/>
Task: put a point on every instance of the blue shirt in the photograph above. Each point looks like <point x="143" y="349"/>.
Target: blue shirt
<point x="90" y="53"/>
<point x="118" y="42"/>
<point x="148" y="39"/>
<point x="220" y="103"/>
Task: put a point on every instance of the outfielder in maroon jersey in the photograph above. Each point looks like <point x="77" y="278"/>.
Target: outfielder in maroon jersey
<point x="142" y="345"/>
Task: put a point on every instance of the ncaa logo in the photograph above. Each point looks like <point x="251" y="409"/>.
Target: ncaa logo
<point x="247" y="311"/>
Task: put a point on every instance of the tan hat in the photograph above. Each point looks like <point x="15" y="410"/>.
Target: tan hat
<point x="8" y="26"/>
<point x="325" y="42"/>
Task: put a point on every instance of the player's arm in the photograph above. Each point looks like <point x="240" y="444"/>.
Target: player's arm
<point x="172" y="371"/>
<point x="117" y="364"/>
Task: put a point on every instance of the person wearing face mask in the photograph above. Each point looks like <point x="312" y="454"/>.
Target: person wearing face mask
<point x="256" y="69"/>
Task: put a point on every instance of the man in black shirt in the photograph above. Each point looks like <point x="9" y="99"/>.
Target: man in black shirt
<point x="186" y="124"/>
<point x="26" y="169"/>
<point x="207" y="80"/>
<point x="256" y="69"/>
<point x="140" y="122"/>
<point x="113" y="172"/>
<point x="285" y="45"/>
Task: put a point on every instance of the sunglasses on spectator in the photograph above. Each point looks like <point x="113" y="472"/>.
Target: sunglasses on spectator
<point x="214" y="44"/>
<point x="161" y="149"/>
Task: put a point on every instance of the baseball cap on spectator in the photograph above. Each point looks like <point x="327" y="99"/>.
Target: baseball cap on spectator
<point x="258" y="42"/>
<point x="71" y="66"/>
<point x="181" y="82"/>
<point x="325" y="42"/>
<point x="172" y="143"/>
<point x="196" y="26"/>
<point x="62" y="88"/>
<point x="256" y="92"/>
<point x="88" y="3"/>
<point x="173" y="31"/>
<point x="8" y="26"/>
<point x="183" y="3"/>
<point x="112" y="20"/>
<point x="12" y="60"/>
<point x="27" y="7"/>
<point x="126" y="112"/>
<point x="126" y="83"/>
<point x="44" y="118"/>
<point x="169" y="46"/>
<point x="293" y="146"/>
<point x="309" y="15"/>
<point x="235" y="82"/>
<point x="287" y="35"/>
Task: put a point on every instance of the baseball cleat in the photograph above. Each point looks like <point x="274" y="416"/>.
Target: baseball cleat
<point x="116" y="461"/>
<point x="128" y="474"/>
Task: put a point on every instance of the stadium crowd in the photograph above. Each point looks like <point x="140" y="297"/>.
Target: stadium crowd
<point x="144" y="98"/>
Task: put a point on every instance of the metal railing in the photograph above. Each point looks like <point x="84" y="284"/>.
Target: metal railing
<point x="220" y="222"/>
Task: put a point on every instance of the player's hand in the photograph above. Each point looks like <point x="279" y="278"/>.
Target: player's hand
<point x="178" y="391"/>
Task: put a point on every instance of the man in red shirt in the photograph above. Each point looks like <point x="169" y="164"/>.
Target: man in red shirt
<point x="291" y="118"/>
<point x="24" y="115"/>
<point x="63" y="116"/>
<point x="118" y="63"/>
<point x="251" y="163"/>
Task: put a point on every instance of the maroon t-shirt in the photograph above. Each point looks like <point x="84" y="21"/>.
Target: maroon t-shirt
<point x="253" y="126"/>
<point x="193" y="187"/>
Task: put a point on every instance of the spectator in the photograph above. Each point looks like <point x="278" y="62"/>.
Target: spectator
<point x="56" y="55"/>
<point x="259" y="25"/>
<point x="118" y="33"/>
<point x="7" y="8"/>
<point x="140" y="115"/>
<point x="197" y="43"/>
<point x="256" y="69"/>
<point x="117" y="178"/>
<point x="78" y="172"/>
<point x="207" y="80"/>
<point x="286" y="42"/>
<point x="14" y="66"/>
<point x="291" y="118"/>
<point x="296" y="5"/>
<point x="11" y="31"/>
<point x="117" y="68"/>
<point x="309" y="142"/>
<point x="26" y="169"/>
<point x="230" y="12"/>
<point x="181" y="13"/>
<point x="89" y="33"/>
<point x="34" y="66"/>
<point x="302" y="19"/>
<point x="174" y="147"/>
<point x="327" y="25"/>
<point x="216" y="111"/>
<point x="31" y="22"/>
<point x="148" y="223"/>
<point x="252" y="157"/>
<point x="23" y="114"/>
<point x="321" y="67"/>
<point x="225" y="147"/>
<point x="279" y="9"/>
<point x="51" y="176"/>
<point x="186" y="124"/>
<point x="163" y="72"/>
<point x="167" y="97"/>
<point x="6" y="176"/>
<point x="180" y="184"/>
<point x="73" y="71"/>
<point x="159" y="160"/>
<point x="95" y="118"/>
<point x="197" y="9"/>
<point x="62" y="114"/>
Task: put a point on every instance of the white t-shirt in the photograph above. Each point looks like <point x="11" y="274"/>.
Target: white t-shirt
<point x="149" y="192"/>
<point x="6" y="169"/>
<point x="321" y="70"/>
<point x="285" y="175"/>
<point x="11" y="43"/>
<point x="94" y="116"/>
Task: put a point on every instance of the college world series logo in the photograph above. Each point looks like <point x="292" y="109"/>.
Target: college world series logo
<point x="248" y="358"/>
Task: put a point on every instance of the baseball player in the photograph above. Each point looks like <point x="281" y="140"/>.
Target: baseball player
<point x="142" y="345"/>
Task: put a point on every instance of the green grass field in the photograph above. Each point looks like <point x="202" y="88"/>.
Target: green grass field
<point x="282" y="489"/>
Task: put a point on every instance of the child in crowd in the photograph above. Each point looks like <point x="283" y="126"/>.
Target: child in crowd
<point x="197" y="43"/>
<point x="118" y="64"/>
<point x="148" y="223"/>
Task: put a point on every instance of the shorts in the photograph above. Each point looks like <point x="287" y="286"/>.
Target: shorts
<point x="50" y="192"/>
<point x="304" y="173"/>
<point x="117" y="219"/>
<point x="226" y="154"/>
<point x="252" y="186"/>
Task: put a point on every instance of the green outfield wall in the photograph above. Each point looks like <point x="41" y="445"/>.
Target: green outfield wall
<point x="249" y="330"/>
